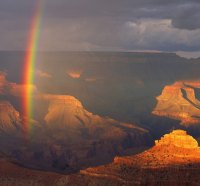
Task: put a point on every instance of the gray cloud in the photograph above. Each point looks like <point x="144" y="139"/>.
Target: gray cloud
<point x="171" y="25"/>
<point x="187" y="17"/>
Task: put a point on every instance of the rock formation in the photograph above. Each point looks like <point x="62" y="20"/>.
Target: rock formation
<point x="87" y="138"/>
<point x="74" y="73"/>
<point x="180" y="101"/>
<point x="9" y="118"/>
<point x="174" y="160"/>
<point x="69" y="137"/>
<point x="178" y="138"/>
<point x="68" y="112"/>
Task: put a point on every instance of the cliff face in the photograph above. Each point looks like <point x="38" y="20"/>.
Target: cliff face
<point x="68" y="137"/>
<point x="178" y="138"/>
<point x="9" y="118"/>
<point x="67" y="113"/>
<point x="87" y="138"/>
<point x="174" y="160"/>
<point x="180" y="101"/>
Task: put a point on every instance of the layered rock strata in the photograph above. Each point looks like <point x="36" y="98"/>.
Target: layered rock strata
<point x="180" y="101"/>
<point x="174" y="160"/>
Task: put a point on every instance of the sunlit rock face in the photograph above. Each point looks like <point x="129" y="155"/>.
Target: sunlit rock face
<point x="174" y="160"/>
<point x="180" y="101"/>
<point x="74" y="73"/>
<point x="87" y="138"/>
<point x="9" y="118"/>
<point x="67" y="112"/>
<point x="64" y="112"/>
<point x="177" y="138"/>
<point x="68" y="137"/>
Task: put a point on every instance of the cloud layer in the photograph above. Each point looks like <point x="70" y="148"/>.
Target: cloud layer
<point x="104" y="25"/>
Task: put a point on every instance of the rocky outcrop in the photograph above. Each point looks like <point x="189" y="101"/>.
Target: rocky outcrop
<point x="68" y="112"/>
<point x="180" y="101"/>
<point x="87" y="138"/>
<point x="74" y="73"/>
<point x="178" y="138"/>
<point x="9" y="118"/>
<point x="69" y="137"/>
<point x="174" y="160"/>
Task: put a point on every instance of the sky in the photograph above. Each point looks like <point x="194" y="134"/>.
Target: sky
<point x="104" y="25"/>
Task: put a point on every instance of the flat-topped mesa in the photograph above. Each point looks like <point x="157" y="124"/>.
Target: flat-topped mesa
<point x="177" y="138"/>
<point x="61" y="99"/>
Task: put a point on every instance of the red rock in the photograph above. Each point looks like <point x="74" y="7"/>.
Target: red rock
<point x="9" y="117"/>
<point x="179" y="101"/>
<point x="174" y="160"/>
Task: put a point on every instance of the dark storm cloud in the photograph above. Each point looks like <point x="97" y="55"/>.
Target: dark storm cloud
<point x="104" y="25"/>
<point x="187" y="17"/>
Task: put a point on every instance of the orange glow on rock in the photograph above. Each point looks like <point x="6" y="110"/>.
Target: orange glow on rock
<point x="74" y="74"/>
<point x="179" y="101"/>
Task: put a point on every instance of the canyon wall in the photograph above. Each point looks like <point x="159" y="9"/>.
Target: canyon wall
<point x="180" y="101"/>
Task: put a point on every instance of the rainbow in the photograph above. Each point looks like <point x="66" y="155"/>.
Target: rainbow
<point x="29" y="66"/>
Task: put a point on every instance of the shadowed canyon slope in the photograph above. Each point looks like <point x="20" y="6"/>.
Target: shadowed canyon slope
<point x="12" y="174"/>
<point x="174" y="160"/>
<point x="68" y="137"/>
<point x="180" y="101"/>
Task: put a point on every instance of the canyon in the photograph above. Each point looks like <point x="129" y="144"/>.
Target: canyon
<point x="92" y="108"/>
<point x="173" y="160"/>
<point x="68" y="137"/>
